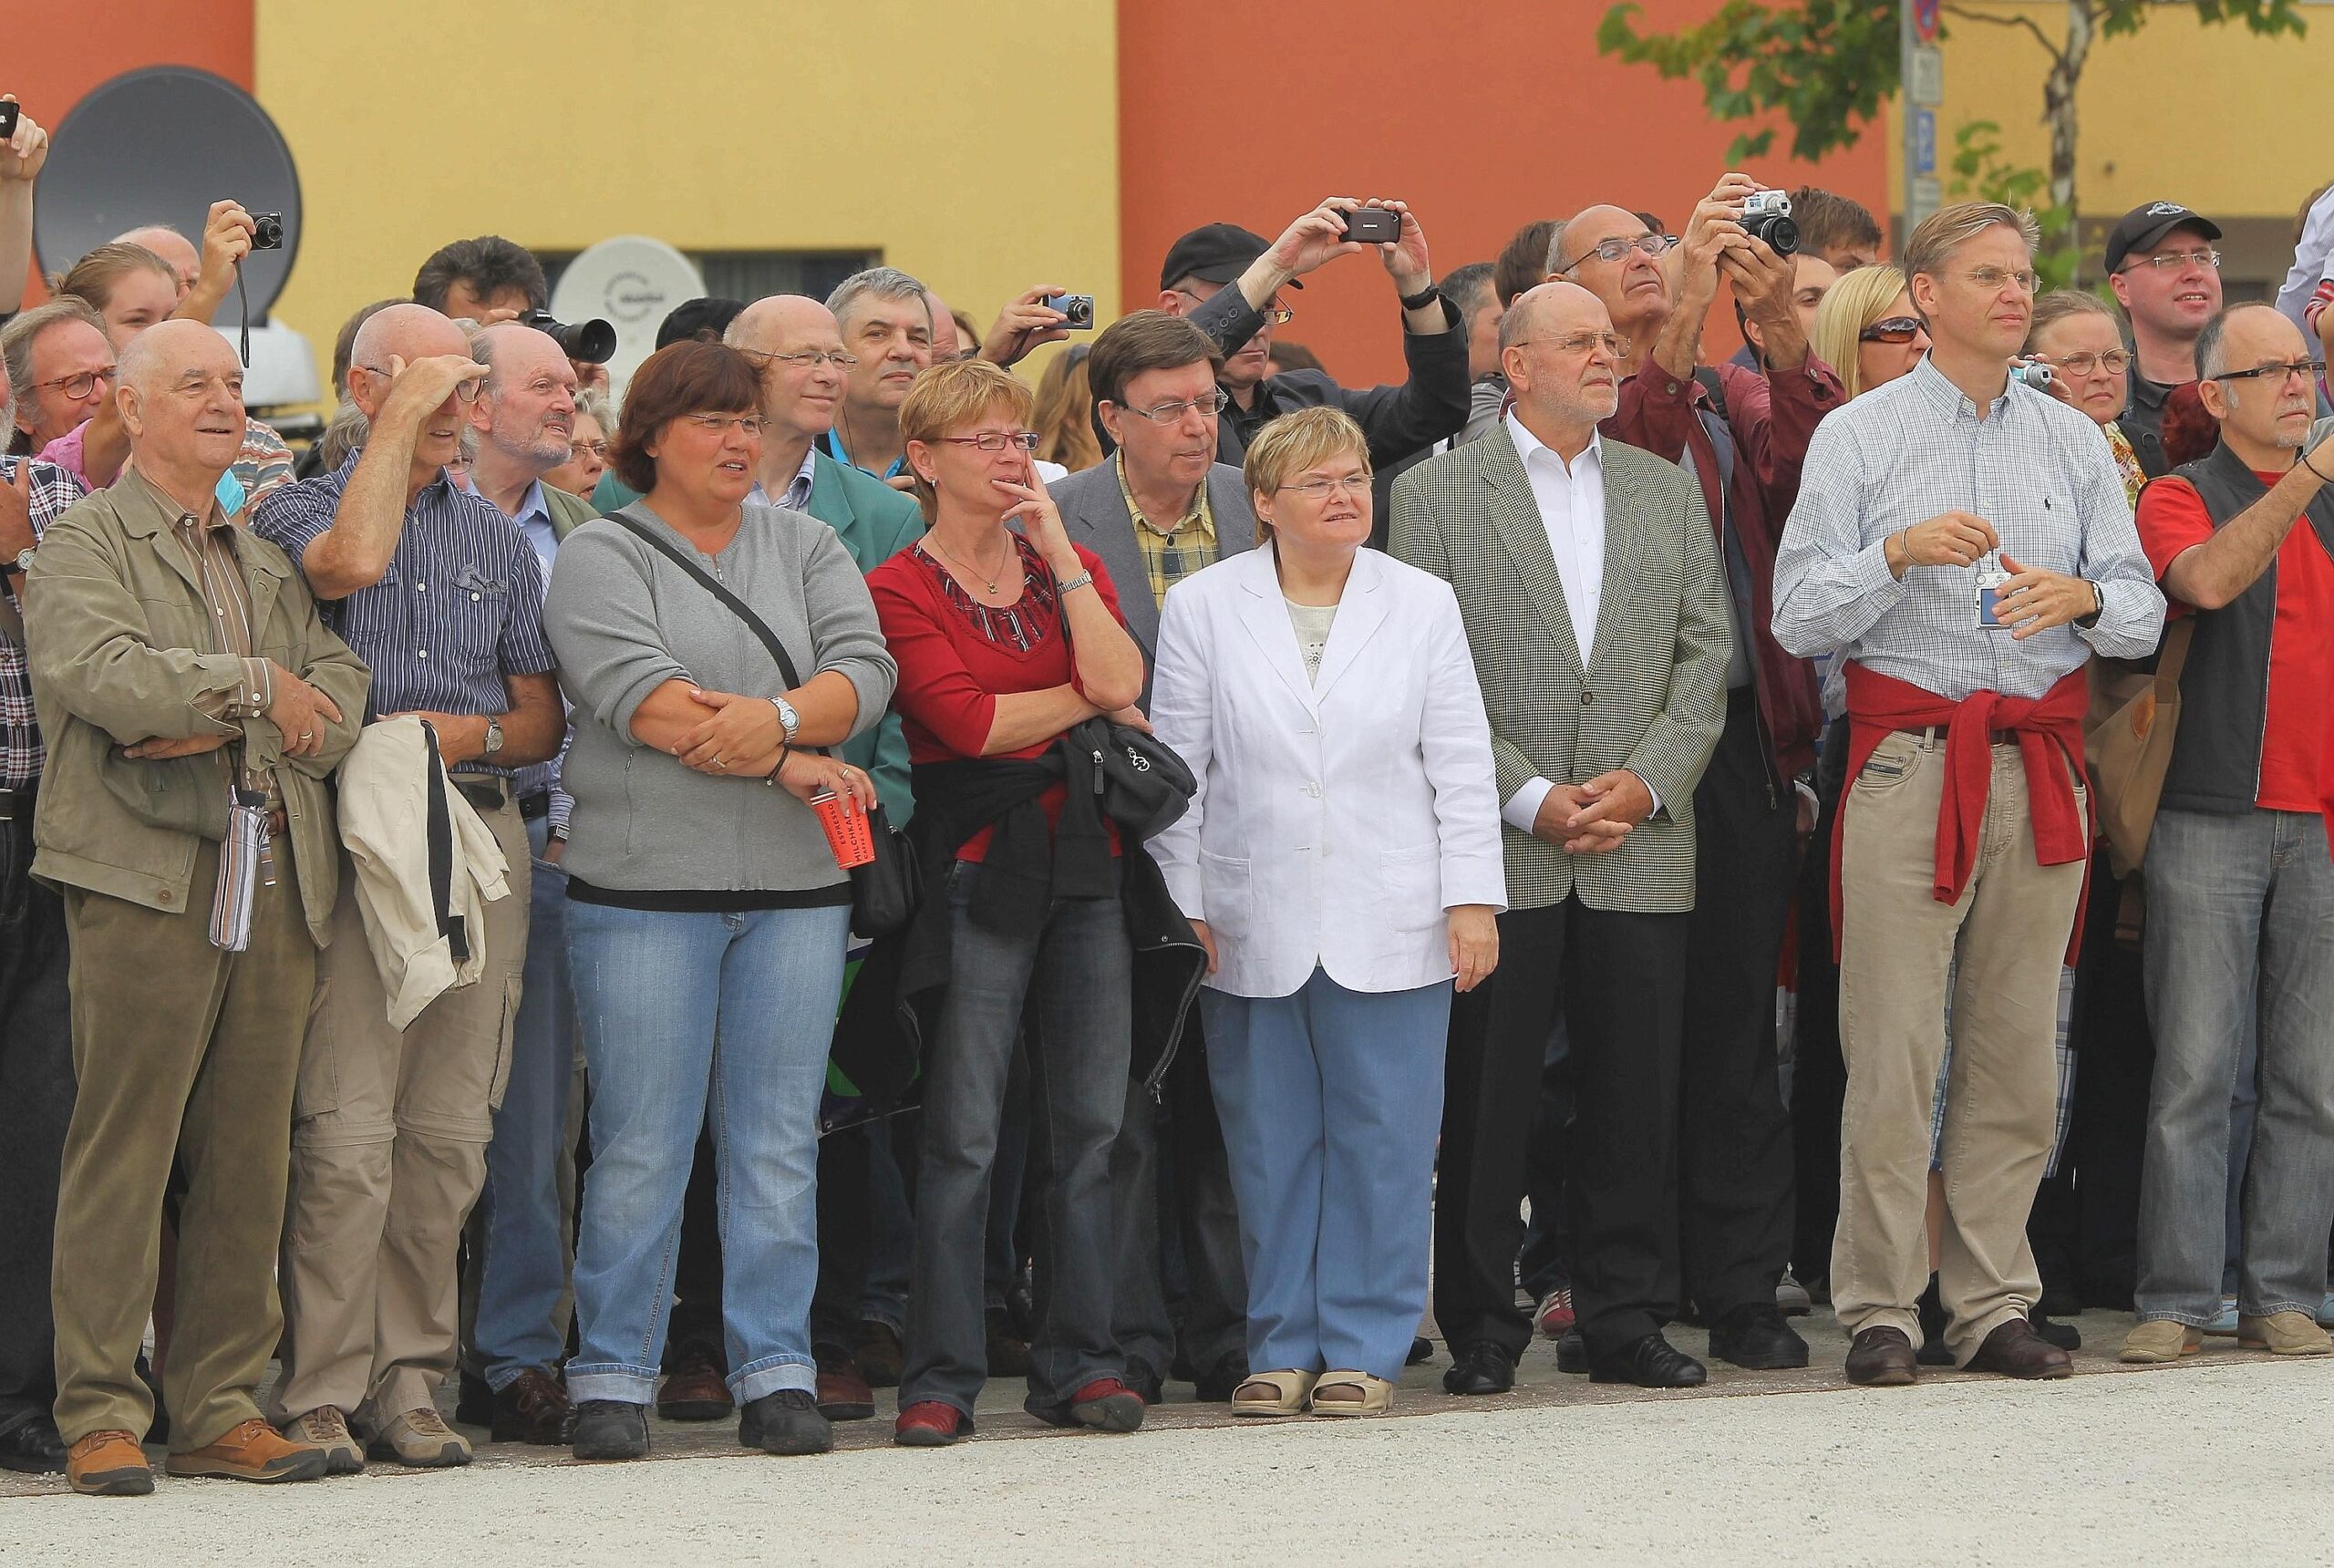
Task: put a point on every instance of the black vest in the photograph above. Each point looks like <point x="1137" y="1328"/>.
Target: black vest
<point x="2225" y="688"/>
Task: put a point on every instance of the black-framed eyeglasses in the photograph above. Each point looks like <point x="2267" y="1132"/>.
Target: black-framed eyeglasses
<point x="2304" y="368"/>
<point x="1615" y="250"/>
<point x="1277" y="314"/>
<point x="997" y="441"/>
<point x="464" y="391"/>
<point x="1891" y="329"/>
<point x="1212" y="405"/>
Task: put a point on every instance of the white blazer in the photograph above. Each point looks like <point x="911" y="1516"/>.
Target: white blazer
<point x="1335" y="819"/>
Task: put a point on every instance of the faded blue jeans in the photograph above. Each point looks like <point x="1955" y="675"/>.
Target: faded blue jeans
<point x="2240" y="922"/>
<point x="686" y="1019"/>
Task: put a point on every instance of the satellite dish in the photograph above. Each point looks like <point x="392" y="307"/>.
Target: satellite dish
<point x="283" y="368"/>
<point x="159" y="146"/>
<point x="633" y="281"/>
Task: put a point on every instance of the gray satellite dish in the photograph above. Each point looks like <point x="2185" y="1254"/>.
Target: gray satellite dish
<point x="159" y="146"/>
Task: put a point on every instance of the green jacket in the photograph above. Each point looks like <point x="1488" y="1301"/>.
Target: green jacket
<point x="568" y="513"/>
<point x="120" y="642"/>
<point x="875" y="522"/>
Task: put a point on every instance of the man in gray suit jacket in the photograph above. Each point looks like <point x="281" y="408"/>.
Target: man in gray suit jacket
<point x="1589" y="580"/>
<point x="1157" y="511"/>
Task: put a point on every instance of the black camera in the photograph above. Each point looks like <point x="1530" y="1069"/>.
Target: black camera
<point x="1078" y="308"/>
<point x="8" y="112"/>
<point x="267" y="231"/>
<point x="1766" y="215"/>
<point x="1374" y="226"/>
<point x="585" y="342"/>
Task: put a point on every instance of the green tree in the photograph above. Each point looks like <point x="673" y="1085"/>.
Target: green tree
<point x="1827" y="64"/>
<point x="1981" y="174"/>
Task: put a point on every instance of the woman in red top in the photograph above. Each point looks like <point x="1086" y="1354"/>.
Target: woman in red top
<point x="1004" y="639"/>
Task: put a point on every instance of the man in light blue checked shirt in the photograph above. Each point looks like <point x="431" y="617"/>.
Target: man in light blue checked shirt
<point x="1964" y="545"/>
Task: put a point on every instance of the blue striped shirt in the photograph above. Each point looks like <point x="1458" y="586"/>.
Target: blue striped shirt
<point x="459" y="609"/>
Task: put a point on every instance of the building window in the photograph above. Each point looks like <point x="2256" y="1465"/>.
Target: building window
<point x="751" y="274"/>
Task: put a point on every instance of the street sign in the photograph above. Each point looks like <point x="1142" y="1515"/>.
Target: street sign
<point x="1924" y="20"/>
<point x="1920" y="134"/>
<point x="1925" y="76"/>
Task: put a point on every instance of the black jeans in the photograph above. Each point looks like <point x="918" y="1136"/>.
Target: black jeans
<point x="1819" y="1071"/>
<point x="1621" y="977"/>
<point x="1735" y="1136"/>
<point x="2107" y="1134"/>
<point x="36" y="1108"/>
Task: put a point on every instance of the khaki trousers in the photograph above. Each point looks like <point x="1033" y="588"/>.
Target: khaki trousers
<point x="2008" y="933"/>
<point x="181" y="1049"/>
<point x="388" y="1151"/>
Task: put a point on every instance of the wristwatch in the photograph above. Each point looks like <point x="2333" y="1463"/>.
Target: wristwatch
<point x="788" y="720"/>
<point x="24" y="562"/>
<point x="1423" y="298"/>
<point x="2098" y="597"/>
<point x="494" y="736"/>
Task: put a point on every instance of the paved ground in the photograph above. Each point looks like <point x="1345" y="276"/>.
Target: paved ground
<point x="2221" y="1460"/>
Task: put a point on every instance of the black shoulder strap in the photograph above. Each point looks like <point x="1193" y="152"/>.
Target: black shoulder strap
<point x="715" y="586"/>
<point x="1715" y="385"/>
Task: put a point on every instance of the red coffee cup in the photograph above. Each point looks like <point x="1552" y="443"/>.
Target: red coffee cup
<point x="850" y="833"/>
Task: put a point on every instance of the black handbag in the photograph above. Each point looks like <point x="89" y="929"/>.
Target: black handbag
<point x="1145" y="785"/>
<point x="885" y="892"/>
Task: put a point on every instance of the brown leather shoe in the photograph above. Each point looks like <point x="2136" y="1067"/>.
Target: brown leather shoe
<point x="109" y="1464"/>
<point x="251" y="1451"/>
<point x="532" y="1408"/>
<point x="1881" y="1359"/>
<point x="2014" y="1350"/>
<point x="693" y="1390"/>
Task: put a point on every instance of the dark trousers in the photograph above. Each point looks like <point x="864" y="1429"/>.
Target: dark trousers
<point x="2107" y="1134"/>
<point x="36" y="1108"/>
<point x="1819" y="1071"/>
<point x="1621" y="977"/>
<point x="1171" y="1188"/>
<point x="1543" y="1264"/>
<point x="1735" y="1150"/>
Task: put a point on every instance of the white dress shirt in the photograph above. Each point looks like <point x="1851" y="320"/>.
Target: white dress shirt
<point x="797" y="496"/>
<point x="1571" y="498"/>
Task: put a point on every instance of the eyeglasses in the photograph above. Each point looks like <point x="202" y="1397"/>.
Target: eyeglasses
<point x="1617" y="250"/>
<point x="464" y="391"/>
<point x="597" y="448"/>
<point x="1991" y="279"/>
<point x="1611" y="342"/>
<point x="76" y="386"/>
<point x="807" y="358"/>
<point x="1277" y="314"/>
<point x="997" y="441"/>
<point x="2114" y="361"/>
<point x="1212" y="405"/>
<point x="1891" y="329"/>
<point x="2304" y="368"/>
<point x="1354" y="485"/>
<point x="748" y="425"/>
<point x="2173" y="260"/>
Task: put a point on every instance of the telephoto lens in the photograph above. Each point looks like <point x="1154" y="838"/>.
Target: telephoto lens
<point x="586" y="342"/>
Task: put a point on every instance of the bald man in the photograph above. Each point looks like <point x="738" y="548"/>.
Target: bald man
<point x="191" y="694"/>
<point x="442" y="596"/>
<point x="207" y="277"/>
<point x="1588" y="580"/>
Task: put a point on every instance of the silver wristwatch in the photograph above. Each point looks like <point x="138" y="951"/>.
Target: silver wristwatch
<point x="494" y="736"/>
<point x="788" y="720"/>
<point x="25" y="558"/>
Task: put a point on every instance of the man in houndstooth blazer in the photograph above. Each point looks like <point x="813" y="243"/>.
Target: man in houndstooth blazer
<point x="1588" y="577"/>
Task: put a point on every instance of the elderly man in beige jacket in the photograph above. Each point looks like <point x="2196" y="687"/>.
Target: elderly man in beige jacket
<point x="193" y="704"/>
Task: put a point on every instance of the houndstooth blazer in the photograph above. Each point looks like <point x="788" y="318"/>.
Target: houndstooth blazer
<point x="1653" y="698"/>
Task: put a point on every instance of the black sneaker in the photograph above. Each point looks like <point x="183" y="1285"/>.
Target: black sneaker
<point x="786" y="1422"/>
<point x="1571" y="1352"/>
<point x="2065" y="1335"/>
<point x="1754" y="1336"/>
<point x="611" y="1429"/>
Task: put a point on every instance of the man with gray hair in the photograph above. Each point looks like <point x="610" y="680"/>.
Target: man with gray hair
<point x="885" y="317"/>
<point x="1964" y="545"/>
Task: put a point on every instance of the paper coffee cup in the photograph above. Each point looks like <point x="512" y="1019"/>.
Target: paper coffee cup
<point x="850" y="833"/>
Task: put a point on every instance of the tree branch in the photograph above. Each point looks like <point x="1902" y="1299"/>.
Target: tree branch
<point x="2028" y="23"/>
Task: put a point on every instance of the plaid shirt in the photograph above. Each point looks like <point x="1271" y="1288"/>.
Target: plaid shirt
<point x="1169" y="555"/>
<point x="21" y="751"/>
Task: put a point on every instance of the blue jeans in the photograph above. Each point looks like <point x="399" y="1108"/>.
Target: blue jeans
<point x="1331" y="1100"/>
<point x="1078" y="976"/>
<point x="2240" y="924"/>
<point x="688" y="1019"/>
<point x="522" y="1259"/>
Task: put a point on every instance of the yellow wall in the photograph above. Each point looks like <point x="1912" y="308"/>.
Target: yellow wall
<point x="977" y="146"/>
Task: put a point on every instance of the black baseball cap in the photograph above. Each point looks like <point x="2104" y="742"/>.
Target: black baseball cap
<point x="1217" y="253"/>
<point x="2142" y="228"/>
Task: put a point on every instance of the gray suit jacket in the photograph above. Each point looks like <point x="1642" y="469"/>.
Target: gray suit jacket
<point x="1653" y="698"/>
<point x="1094" y="513"/>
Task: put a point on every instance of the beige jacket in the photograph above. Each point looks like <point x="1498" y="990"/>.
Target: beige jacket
<point x="399" y="814"/>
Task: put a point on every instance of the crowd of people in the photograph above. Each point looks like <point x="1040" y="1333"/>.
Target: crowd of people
<point x="839" y="869"/>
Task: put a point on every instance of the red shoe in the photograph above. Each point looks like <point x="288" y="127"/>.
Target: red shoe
<point x="1555" y="1319"/>
<point x="1107" y="1404"/>
<point x="931" y="1424"/>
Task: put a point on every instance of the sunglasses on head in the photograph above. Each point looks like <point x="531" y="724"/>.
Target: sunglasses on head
<point x="1893" y="330"/>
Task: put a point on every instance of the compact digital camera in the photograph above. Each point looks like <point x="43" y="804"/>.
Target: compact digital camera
<point x="1766" y="215"/>
<point x="1078" y="308"/>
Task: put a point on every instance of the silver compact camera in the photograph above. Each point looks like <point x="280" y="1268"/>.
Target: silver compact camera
<point x="1766" y="215"/>
<point x="2035" y="375"/>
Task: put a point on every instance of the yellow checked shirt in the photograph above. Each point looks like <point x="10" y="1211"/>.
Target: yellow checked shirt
<point x="1170" y="554"/>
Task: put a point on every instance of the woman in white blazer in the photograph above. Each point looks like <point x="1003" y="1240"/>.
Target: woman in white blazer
<point x="1341" y="862"/>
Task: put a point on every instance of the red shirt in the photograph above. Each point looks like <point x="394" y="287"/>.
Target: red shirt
<point x="956" y="658"/>
<point x="2172" y="518"/>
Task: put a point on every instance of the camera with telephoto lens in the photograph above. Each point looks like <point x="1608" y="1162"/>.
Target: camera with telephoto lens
<point x="1766" y="215"/>
<point x="1078" y="308"/>
<point x="2035" y="375"/>
<point x="267" y="231"/>
<point x="585" y="342"/>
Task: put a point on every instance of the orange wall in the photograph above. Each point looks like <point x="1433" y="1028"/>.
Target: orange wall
<point x="1252" y="111"/>
<point x="59" y="53"/>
